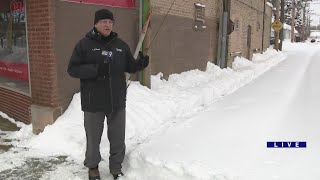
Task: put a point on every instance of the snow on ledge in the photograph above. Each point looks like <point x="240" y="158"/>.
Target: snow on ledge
<point x="200" y="5"/>
<point x="269" y="4"/>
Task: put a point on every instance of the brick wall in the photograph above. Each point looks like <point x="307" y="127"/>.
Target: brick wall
<point x="15" y="105"/>
<point x="41" y="33"/>
<point x="267" y="25"/>
<point x="177" y="44"/>
<point x="78" y="16"/>
<point x="249" y="12"/>
<point x="185" y="8"/>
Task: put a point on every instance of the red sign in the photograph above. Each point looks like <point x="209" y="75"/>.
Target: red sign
<point x="16" y="5"/>
<point x="115" y="3"/>
<point x="14" y="70"/>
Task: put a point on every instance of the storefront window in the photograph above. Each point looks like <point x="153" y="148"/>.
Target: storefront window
<point x="116" y="3"/>
<point x="14" y="72"/>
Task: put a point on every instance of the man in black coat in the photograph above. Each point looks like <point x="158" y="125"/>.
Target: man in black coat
<point x="100" y="61"/>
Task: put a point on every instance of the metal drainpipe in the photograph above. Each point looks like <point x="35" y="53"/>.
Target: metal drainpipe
<point x="228" y="36"/>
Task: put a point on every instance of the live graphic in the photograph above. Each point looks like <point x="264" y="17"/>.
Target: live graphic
<point x="286" y="144"/>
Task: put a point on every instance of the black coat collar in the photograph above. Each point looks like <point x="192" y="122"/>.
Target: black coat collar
<point x="94" y="34"/>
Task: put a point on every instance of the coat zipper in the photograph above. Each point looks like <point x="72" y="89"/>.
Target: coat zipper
<point x="110" y="78"/>
<point x="110" y="86"/>
<point x="89" y="96"/>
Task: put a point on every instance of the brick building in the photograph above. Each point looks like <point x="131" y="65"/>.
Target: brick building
<point x="184" y="42"/>
<point x="34" y="85"/>
<point x="38" y="36"/>
<point x="252" y="27"/>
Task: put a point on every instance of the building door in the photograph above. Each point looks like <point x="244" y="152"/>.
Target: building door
<point x="249" y="42"/>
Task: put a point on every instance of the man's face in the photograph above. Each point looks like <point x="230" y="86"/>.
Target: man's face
<point x="104" y="26"/>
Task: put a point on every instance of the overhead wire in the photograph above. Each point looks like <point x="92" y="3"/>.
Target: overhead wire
<point x="161" y="25"/>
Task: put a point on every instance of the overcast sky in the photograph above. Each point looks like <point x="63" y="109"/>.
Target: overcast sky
<point x="315" y="6"/>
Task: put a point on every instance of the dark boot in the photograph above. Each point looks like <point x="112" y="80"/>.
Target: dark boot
<point x="94" y="174"/>
<point x="116" y="176"/>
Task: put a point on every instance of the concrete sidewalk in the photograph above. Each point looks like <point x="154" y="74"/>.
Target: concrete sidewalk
<point x="5" y="126"/>
<point x="31" y="168"/>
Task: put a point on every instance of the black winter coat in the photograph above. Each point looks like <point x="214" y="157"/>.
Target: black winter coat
<point x="100" y="64"/>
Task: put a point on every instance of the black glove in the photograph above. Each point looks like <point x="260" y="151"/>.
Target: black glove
<point x="143" y="60"/>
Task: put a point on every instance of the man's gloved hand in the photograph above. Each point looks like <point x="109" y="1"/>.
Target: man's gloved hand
<point x="143" y="60"/>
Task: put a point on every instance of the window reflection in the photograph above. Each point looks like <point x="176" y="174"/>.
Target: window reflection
<point x="13" y="46"/>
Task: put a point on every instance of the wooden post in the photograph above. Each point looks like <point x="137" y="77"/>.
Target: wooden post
<point x="304" y="23"/>
<point x="263" y="26"/>
<point x="144" y="76"/>
<point x="293" y="16"/>
<point x="282" y="21"/>
<point x="276" y="36"/>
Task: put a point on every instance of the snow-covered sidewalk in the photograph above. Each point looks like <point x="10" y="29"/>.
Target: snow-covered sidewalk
<point x="188" y="127"/>
<point x="228" y="139"/>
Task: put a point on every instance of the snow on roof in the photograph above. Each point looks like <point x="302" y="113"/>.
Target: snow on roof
<point x="288" y="27"/>
<point x="315" y="34"/>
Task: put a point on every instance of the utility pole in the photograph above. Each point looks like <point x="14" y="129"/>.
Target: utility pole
<point x="304" y="22"/>
<point x="293" y="17"/>
<point x="309" y="24"/>
<point x="276" y="39"/>
<point x="282" y="21"/>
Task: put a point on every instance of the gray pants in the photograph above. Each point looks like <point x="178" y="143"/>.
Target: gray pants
<point x="93" y="124"/>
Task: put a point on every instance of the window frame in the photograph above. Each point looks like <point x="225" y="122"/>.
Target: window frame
<point x="2" y="85"/>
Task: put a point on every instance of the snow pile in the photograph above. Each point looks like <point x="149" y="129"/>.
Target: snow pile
<point x="149" y="111"/>
<point x="260" y="62"/>
<point x="3" y="115"/>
